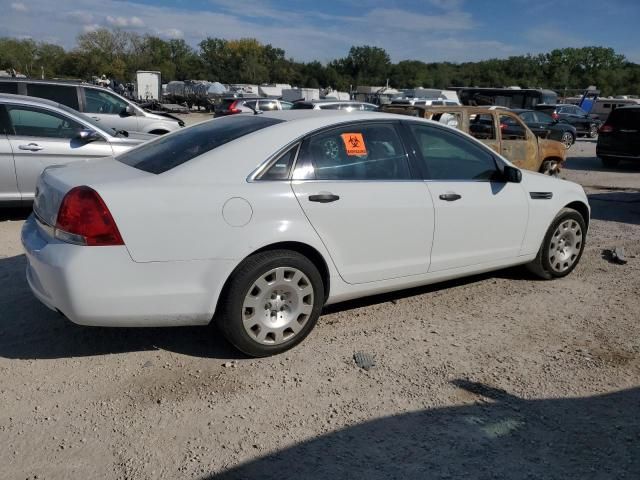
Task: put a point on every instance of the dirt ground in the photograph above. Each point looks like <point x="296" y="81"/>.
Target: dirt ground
<point x="495" y="376"/>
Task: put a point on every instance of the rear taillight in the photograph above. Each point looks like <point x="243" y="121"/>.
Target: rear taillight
<point x="605" y="129"/>
<point x="84" y="219"/>
<point x="555" y="116"/>
<point x="503" y="126"/>
<point x="233" y="108"/>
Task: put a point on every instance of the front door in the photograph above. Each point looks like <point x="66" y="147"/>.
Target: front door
<point x="109" y="110"/>
<point x="355" y="187"/>
<point x="479" y="218"/>
<point x="517" y="143"/>
<point x="40" y="138"/>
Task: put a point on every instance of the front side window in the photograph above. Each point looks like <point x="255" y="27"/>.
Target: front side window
<point x="357" y="152"/>
<point x="286" y="105"/>
<point x="511" y="128"/>
<point x="35" y="122"/>
<point x="169" y="151"/>
<point x="98" y="101"/>
<point x="66" y="95"/>
<point x="448" y="156"/>
<point x="482" y="127"/>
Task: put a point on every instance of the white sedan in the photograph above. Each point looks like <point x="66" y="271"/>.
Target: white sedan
<point x="257" y="221"/>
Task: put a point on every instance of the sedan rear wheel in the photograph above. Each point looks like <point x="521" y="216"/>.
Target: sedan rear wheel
<point x="562" y="246"/>
<point x="567" y="139"/>
<point x="272" y="302"/>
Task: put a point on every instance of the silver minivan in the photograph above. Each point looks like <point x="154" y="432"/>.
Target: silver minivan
<point x="101" y="104"/>
<point x="37" y="133"/>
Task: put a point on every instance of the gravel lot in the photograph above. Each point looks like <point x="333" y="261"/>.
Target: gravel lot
<point x="495" y="376"/>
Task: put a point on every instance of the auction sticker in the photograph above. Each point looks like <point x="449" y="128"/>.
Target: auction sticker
<point x="354" y="144"/>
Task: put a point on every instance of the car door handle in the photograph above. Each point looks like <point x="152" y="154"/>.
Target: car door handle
<point x="97" y="119"/>
<point x="32" y="147"/>
<point x="450" y="197"/>
<point x="324" y="197"/>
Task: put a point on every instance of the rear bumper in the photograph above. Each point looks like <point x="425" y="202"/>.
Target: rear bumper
<point x="103" y="286"/>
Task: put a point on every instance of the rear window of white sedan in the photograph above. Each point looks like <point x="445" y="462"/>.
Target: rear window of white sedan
<point x="169" y="151"/>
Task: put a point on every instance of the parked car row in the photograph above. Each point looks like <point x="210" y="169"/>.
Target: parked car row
<point x="110" y="110"/>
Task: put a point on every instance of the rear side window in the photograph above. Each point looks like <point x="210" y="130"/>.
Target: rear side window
<point x="358" y="152"/>
<point x="625" y="118"/>
<point x="99" y="101"/>
<point x="9" y="87"/>
<point x="169" y="151"/>
<point x="66" y="95"/>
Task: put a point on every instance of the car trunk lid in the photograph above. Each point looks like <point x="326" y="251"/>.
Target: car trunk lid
<point x="57" y="180"/>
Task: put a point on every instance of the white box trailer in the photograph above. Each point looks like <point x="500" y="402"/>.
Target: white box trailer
<point x="149" y="85"/>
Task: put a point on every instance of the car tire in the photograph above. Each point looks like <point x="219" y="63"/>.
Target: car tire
<point x="593" y="131"/>
<point x="562" y="246"/>
<point x="271" y="302"/>
<point x="609" y="162"/>
<point x="567" y="139"/>
<point x="550" y="167"/>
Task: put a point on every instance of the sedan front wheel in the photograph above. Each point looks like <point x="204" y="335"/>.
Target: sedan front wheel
<point x="567" y="139"/>
<point x="272" y="302"/>
<point x="562" y="246"/>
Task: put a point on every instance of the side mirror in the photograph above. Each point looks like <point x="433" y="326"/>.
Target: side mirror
<point x="512" y="174"/>
<point x="129" y="111"/>
<point x="87" y="135"/>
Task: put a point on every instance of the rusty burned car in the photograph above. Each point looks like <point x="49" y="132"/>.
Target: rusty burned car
<point x="499" y="128"/>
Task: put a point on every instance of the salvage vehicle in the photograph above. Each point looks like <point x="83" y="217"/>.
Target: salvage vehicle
<point x="101" y="104"/>
<point x="544" y="126"/>
<point x="500" y="129"/>
<point x="37" y="133"/>
<point x="619" y="137"/>
<point x="255" y="222"/>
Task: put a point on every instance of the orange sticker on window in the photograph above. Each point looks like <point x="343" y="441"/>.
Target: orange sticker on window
<point x="354" y="144"/>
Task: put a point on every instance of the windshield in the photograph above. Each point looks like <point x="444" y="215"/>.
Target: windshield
<point x="171" y="150"/>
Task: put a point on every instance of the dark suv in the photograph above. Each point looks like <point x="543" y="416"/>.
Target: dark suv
<point x="620" y="136"/>
<point x="584" y="123"/>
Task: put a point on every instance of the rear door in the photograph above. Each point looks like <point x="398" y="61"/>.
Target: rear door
<point x="110" y="110"/>
<point x="8" y="183"/>
<point x="355" y="187"/>
<point x="40" y="138"/>
<point x="479" y="218"/>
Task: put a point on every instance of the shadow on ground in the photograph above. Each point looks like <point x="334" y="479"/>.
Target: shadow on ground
<point x="617" y="206"/>
<point x="594" y="164"/>
<point x="499" y="437"/>
<point x="29" y="330"/>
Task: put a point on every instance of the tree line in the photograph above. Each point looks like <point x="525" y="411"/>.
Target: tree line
<point x="119" y="53"/>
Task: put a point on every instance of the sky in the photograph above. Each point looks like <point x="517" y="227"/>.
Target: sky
<point x="427" y="30"/>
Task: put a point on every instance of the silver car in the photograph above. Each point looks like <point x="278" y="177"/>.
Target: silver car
<point x="101" y="104"/>
<point x="36" y="133"/>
